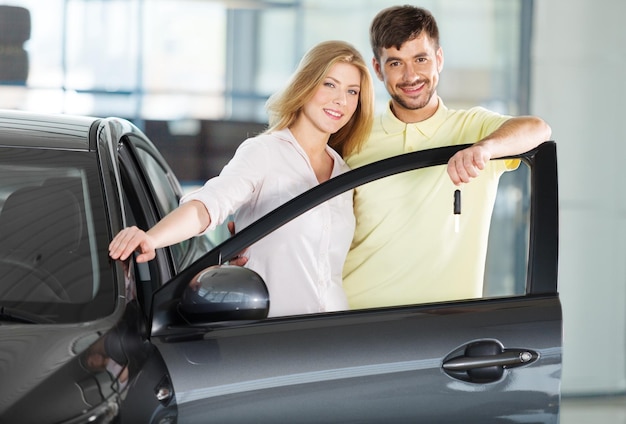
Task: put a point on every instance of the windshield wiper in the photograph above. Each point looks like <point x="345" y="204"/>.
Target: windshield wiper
<point x="17" y="315"/>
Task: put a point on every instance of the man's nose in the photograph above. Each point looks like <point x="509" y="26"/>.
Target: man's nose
<point x="410" y="74"/>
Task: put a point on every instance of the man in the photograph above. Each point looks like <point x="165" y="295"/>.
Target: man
<point x="405" y="249"/>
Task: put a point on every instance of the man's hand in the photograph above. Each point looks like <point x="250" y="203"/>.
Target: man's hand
<point x="238" y="260"/>
<point x="130" y="239"/>
<point x="467" y="163"/>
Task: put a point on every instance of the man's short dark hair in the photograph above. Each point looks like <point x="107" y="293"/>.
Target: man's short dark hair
<point x="396" y="25"/>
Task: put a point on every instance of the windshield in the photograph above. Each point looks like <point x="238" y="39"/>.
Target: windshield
<point x="52" y="223"/>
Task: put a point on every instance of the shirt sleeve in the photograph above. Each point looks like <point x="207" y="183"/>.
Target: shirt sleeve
<point x="491" y="121"/>
<point x="237" y="184"/>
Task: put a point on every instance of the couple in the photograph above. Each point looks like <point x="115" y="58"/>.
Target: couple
<point x="321" y="124"/>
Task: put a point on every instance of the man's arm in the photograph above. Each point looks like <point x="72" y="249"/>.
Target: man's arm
<point x="517" y="135"/>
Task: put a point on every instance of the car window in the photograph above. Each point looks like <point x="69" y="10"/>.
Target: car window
<point x="506" y="263"/>
<point x="519" y="220"/>
<point x="411" y="247"/>
<point x="53" y="232"/>
<point x="164" y="189"/>
<point x="151" y="191"/>
<point x="492" y="261"/>
<point x="165" y="193"/>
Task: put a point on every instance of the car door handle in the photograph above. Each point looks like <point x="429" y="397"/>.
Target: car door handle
<point x="485" y="361"/>
<point x="504" y="359"/>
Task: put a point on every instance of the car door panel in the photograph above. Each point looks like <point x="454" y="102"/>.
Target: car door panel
<point x="368" y="365"/>
<point x="399" y="364"/>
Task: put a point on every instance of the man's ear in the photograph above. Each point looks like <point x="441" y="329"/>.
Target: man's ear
<point x="439" y="55"/>
<point x="376" y="66"/>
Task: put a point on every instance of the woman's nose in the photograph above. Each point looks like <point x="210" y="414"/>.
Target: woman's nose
<point x="341" y="99"/>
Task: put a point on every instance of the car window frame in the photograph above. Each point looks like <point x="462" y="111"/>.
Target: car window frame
<point x="542" y="267"/>
<point x="140" y="149"/>
<point x="143" y="208"/>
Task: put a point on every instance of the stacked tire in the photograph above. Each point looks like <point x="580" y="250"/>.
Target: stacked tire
<point x="14" y="32"/>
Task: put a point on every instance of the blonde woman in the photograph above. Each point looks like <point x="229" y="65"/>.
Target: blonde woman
<point x="325" y="112"/>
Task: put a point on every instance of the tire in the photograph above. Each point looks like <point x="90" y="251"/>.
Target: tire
<point x="14" y="25"/>
<point x="13" y="65"/>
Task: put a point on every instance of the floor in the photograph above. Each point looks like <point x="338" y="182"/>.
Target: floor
<point x="593" y="410"/>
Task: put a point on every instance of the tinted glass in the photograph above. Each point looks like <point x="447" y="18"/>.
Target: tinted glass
<point x="53" y="232"/>
<point x="166" y="195"/>
<point x="164" y="188"/>
<point x="492" y="259"/>
<point x="408" y="242"/>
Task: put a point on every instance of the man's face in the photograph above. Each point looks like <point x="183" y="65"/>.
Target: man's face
<point x="411" y="75"/>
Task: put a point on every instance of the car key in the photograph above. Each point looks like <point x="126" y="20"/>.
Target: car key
<point x="457" y="209"/>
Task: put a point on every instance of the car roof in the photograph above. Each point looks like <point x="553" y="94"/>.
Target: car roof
<point x="54" y="131"/>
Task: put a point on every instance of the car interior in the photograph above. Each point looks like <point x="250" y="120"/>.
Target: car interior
<point x="50" y="261"/>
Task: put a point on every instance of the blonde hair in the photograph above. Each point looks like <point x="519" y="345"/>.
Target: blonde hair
<point x="285" y="106"/>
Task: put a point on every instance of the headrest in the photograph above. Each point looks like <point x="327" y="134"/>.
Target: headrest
<point x="40" y="220"/>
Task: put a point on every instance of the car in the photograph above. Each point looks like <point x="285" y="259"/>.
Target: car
<point x="185" y="338"/>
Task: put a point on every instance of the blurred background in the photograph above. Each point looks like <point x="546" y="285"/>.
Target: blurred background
<point x="194" y="76"/>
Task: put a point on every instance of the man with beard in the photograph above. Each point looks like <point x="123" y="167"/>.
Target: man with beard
<point x="405" y="249"/>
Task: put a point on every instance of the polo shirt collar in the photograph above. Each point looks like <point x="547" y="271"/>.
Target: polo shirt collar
<point x="428" y="127"/>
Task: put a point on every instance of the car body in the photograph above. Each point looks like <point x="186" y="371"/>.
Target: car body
<point x="184" y="338"/>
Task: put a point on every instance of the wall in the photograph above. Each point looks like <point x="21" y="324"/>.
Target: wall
<point x="579" y="63"/>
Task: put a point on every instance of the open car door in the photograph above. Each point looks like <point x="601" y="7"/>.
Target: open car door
<point x="493" y="359"/>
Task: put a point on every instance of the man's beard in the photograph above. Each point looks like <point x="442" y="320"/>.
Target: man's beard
<point x="415" y="106"/>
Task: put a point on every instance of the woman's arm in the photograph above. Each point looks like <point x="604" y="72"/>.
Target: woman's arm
<point x="184" y="222"/>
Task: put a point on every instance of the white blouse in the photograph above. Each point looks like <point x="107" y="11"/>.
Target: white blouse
<point x="302" y="261"/>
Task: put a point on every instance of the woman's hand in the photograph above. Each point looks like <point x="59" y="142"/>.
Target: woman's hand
<point x="129" y="240"/>
<point x="238" y="260"/>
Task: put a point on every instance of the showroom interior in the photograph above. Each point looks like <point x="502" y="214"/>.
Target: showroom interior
<point x="194" y="75"/>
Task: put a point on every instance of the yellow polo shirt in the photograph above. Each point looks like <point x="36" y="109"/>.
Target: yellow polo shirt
<point x="405" y="249"/>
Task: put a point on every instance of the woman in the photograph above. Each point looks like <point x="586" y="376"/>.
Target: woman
<point x="325" y="111"/>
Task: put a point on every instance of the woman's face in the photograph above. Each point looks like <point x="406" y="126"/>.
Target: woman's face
<point x="335" y="100"/>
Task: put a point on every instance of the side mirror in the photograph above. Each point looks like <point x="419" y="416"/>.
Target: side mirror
<point x="224" y="293"/>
